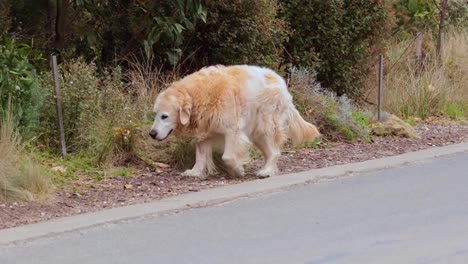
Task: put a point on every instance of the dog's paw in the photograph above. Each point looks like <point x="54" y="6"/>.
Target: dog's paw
<point x="236" y="173"/>
<point x="267" y="172"/>
<point x="193" y="173"/>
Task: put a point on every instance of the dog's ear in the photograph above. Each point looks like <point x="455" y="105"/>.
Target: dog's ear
<point x="184" y="114"/>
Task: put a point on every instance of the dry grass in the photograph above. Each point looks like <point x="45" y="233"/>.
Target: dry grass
<point x="440" y="89"/>
<point x="20" y="177"/>
<point x="147" y="80"/>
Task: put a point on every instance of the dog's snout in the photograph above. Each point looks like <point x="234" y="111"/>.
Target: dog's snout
<point x="153" y="133"/>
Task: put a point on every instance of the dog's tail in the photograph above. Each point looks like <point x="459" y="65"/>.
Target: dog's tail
<point x="300" y="131"/>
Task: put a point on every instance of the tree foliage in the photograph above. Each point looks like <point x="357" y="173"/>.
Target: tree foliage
<point x="238" y="32"/>
<point x="338" y="38"/>
<point x="416" y="15"/>
<point x="20" y="88"/>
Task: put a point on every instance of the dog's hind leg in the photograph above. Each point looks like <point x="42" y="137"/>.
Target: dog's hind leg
<point x="271" y="152"/>
<point x="203" y="159"/>
<point x="235" y="149"/>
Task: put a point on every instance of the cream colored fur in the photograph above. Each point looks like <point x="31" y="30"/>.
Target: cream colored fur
<point x="231" y="107"/>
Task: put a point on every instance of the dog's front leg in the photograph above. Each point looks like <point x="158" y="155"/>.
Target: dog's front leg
<point x="203" y="149"/>
<point x="234" y="147"/>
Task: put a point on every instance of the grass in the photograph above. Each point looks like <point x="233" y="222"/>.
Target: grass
<point x="147" y="80"/>
<point x="441" y="88"/>
<point x="315" y="144"/>
<point x="20" y="176"/>
<point x="124" y="172"/>
<point x="455" y="111"/>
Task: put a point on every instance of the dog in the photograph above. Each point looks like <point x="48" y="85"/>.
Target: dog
<point x="231" y="107"/>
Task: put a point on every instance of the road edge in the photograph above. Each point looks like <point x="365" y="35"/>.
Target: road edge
<point x="216" y="196"/>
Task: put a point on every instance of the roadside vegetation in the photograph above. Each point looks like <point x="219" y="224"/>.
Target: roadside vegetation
<point x="116" y="56"/>
<point x="441" y="88"/>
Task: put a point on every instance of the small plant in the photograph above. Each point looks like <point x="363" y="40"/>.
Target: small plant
<point x="99" y="113"/>
<point x="336" y="117"/>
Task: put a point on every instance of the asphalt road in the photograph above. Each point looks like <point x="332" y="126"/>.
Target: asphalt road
<point x="412" y="214"/>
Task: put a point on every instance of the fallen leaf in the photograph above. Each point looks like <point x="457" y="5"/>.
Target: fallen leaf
<point x="128" y="186"/>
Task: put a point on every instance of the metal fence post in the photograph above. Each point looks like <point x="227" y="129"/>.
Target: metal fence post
<point x="379" y="99"/>
<point x="58" y="98"/>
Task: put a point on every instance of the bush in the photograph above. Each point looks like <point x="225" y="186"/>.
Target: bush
<point x="20" y="85"/>
<point x="336" y="117"/>
<point x="457" y="14"/>
<point x="337" y="38"/>
<point x="238" y="32"/>
<point x="97" y="111"/>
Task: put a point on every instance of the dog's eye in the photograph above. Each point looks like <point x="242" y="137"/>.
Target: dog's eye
<point x="164" y="116"/>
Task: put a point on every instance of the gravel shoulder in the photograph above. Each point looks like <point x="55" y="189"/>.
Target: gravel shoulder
<point x="89" y="195"/>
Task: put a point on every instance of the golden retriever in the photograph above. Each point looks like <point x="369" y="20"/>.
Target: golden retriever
<point x="231" y="107"/>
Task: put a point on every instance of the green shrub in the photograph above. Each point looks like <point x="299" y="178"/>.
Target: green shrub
<point x="339" y="39"/>
<point x="238" y="32"/>
<point x="20" y="85"/>
<point x="96" y="111"/>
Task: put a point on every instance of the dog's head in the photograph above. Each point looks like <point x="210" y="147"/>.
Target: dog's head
<point x="171" y="109"/>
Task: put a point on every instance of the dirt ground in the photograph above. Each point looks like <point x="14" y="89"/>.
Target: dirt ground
<point x="87" y="195"/>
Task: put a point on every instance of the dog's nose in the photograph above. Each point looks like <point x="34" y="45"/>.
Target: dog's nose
<point x="153" y="134"/>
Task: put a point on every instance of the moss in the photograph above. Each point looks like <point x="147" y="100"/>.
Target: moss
<point x="394" y="126"/>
